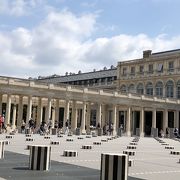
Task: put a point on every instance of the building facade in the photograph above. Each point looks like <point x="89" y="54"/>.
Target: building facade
<point x="146" y="98"/>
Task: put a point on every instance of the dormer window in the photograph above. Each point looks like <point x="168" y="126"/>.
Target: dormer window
<point x="171" y="66"/>
<point x="124" y="71"/>
<point x="141" y="69"/>
<point x="160" y="68"/>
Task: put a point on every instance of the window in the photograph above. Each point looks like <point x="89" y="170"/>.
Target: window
<point x="140" y="88"/>
<point x="160" y="68"/>
<point x="169" y="89"/>
<point x="123" y="88"/>
<point x="124" y="71"/>
<point x="171" y="66"/>
<point x="141" y="69"/>
<point x="149" y="89"/>
<point x="178" y="89"/>
<point x="132" y="70"/>
<point x="150" y="68"/>
<point x="131" y="88"/>
<point x="159" y="88"/>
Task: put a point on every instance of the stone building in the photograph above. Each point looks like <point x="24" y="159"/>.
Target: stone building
<point x="146" y="98"/>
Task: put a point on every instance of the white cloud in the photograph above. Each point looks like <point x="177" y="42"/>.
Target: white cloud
<point x="18" y="7"/>
<point x="62" y="42"/>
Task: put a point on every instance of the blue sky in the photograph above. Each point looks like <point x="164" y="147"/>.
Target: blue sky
<point x="45" y="37"/>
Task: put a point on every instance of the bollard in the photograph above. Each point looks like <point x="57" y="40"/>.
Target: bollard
<point x="39" y="157"/>
<point x="53" y="131"/>
<point x="2" y="144"/>
<point x="27" y="131"/>
<point x="114" y="166"/>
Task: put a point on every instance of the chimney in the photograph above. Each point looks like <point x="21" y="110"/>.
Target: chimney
<point x="147" y="53"/>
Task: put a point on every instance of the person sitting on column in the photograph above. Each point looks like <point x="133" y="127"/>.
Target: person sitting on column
<point x="176" y="132"/>
<point x="66" y="127"/>
<point x="31" y="125"/>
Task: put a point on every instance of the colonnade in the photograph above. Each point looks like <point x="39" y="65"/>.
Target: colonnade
<point x="12" y="106"/>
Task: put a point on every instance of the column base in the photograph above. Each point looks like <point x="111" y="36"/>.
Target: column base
<point x="128" y="134"/>
<point x="83" y="131"/>
<point x="142" y="134"/>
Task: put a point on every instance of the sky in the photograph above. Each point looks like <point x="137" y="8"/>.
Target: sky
<point x="47" y="37"/>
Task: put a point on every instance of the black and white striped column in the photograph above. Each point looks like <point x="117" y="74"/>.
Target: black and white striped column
<point x="39" y="158"/>
<point x="2" y="144"/>
<point x="114" y="166"/>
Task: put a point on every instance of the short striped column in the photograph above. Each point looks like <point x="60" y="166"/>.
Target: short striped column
<point x="54" y="143"/>
<point x="28" y="135"/>
<point x="114" y="166"/>
<point x="53" y="131"/>
<point x="27" y="131"/>
<point x="9" y="136"/>
<point x="86" y="147"/>
<point x="47" y="137"/>
<point x="70" y="153"/>
<point x="2" y="144"/>
<point x="39" y="158"/>
<point x="97" y="143"/>
<point x="29" y="139"/>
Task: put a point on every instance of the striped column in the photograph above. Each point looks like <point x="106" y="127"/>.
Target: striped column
<point x="39" y="158"/>
<point x="114" y="167"/>
<point x="2" y="144"/>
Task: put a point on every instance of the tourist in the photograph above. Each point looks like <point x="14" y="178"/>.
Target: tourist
<point x="23" y="126"/>
<point x="162" y="133"/>
<point x="66" y="128"/>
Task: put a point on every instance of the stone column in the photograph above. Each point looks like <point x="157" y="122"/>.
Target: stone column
<point x="8" y="109"/>
<point x="29" y="109"/>
<point x="34" y="113"/>
<point x="165" y="120"/>
<point x="114" y="120"/>
<point x="14" y="117"/>
<point x="1" y="101"/>
<point x="128" y="126"/>
<point x="103" y="115"/>
<point x="57" y="110"/>
<point x="142" y="122"/>
<point x="83" y="118"/>
<point x="48" y="110"/>
<point x="88" y="117"/>
<point x="39" y="112"/>
<point x="154" y="118"/>
<point x="74" y="117"/>
<point x="53" y="116"/>
<point x="98" y="120"/>
<point x="20" y="112"/>
<point x="66" y="114"/>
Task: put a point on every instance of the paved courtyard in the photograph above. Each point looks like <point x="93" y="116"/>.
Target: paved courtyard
<point x="151" y="161"/>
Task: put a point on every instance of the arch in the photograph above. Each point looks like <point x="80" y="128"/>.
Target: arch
<point x="159" y="88"/>
<point x="140" y="88"/>
<point x="170" y="88"/>
<point x="132" y="88"/>
<point x="123" y="88"/>
<point x="149" y="88"/>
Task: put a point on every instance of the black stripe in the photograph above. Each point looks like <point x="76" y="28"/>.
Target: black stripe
<point x="115" y="165"/>
<point x="123" y="163"/>
<point x="45" y="158"/>
<point x="38" y="158"/>
<point x="106" y="166"/>
<point x="101" y="167"/>
<point x="32" y="156"/>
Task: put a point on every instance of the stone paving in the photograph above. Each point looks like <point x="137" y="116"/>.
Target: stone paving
<point x="151" y="160"/>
